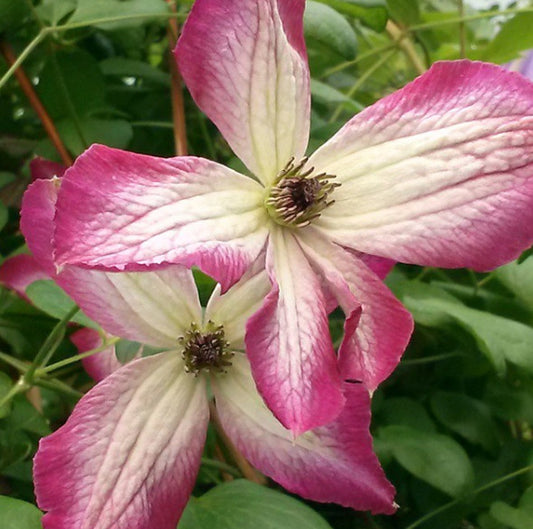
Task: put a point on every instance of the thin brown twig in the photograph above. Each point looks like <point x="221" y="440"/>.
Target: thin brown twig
<point x="27" y="88"/>
<point x="178" y="109"/>
<point x="246" y="469"/>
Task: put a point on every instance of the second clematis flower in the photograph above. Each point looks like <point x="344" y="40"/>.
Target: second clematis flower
<point x="437" y="174"/>
<point x="128" y="455"/>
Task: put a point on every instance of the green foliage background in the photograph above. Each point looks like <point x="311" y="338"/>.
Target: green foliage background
<point x="452" y="426"/>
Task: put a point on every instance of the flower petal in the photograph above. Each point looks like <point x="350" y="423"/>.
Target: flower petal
<point x="377" y="328"/>
<point x="233" y="308"/>
<point x="99" y="365"/>
<point x="439" y="173"/>
<point x="246" y="67"/>
<point x="333" y="463"/>
<point x="128" y="455"/>
<point x="141" y="210"/>
<point x="288" y="342"/>
<point x="46" y="169"/>
<point x="149" y="307"/>
<point x="19" y="271"/>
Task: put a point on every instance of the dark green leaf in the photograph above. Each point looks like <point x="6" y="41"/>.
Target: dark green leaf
<point x="122" y="67"/>
<point x="6" y="178"/>
<point x="466" y="416"/>
<point x="434" y="458"/>
<point x="324" y="25"/>
<point x="12" y="14"/>
<point x="406" y="412"/>
<point x="50" y="298"/>
<point x="5" y="386"/>
<point x="18" y="514"/>
<point x="4" y="216"/>
<point x="519" y="279"/>
<point x="241" y="504"/>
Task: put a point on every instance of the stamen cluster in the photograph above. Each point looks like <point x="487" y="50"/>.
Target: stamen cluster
<point x="205" y="349"/>
<point x="296" y="197"/>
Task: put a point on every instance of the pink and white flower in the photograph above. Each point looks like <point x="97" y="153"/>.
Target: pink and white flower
<point x="128" y="455"/>
<point x="437" y="174"/>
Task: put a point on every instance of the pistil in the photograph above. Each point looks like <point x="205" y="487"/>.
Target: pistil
<point x="297" y="197"/>
<point x="205" y="349"/>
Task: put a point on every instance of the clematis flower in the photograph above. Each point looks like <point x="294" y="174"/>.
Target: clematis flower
<point x="128" y="455"/>
<point x="437" y="174"/>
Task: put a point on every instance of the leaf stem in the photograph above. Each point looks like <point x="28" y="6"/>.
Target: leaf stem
<point x="220" y="465"/>
<point x="50" y="345"/>
<point x="76" y="358"/>
<point x="402" y="40"/>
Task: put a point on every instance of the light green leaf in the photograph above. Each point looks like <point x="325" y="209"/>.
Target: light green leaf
<point x="324" y="93"/>
<point x="53" y="11"/>
<point x="406" y="12"/>
<point x="519" y="279"/>
<point x="468" y="417"/>
<point x="126" y="350"/>
<point x="18" y="514"/>
<point x="241" y="504"/>
<point x="511" y="517"/>
<point x="372" y="13"/>
<point x="50" y="298"/>
<point x="138" y="11"/>
<point x="434" y="458"/>
<point x="515" y="36"/>
<point x="25" y="417"/>
<point x="325" y="25"/>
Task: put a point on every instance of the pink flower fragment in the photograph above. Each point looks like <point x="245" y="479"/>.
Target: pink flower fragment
<point x="128" y="455"/>
<point x="436" y="174"/>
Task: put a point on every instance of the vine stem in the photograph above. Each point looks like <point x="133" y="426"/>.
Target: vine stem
<point x="27" y="88"/>
<point x="402" y="40"/>
<point x="477" y="491"/>
<point x="178" y="108"/>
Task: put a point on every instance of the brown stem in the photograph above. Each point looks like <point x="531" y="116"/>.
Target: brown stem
<point x="406" y="45"/>
<point x="178" y="109"/>
<point x="27" y="88"/>
<point x="246" y="469"/>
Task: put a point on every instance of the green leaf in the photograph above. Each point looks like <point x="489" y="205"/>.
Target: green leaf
<point x="126" y="350"/>
<point x="122" y="67"/>
<point x="77" y="73"/>
<point x="406" y="412"/>
<point x="53" y="11"/>
<point x="12" y="14"/>
<point x="5" y="386"/>
<point x="50" y="298"/>
<point x="241" y="504"/>
<point x="110" y="132"/>
<point x="324" y="25"/>
<point x="499" y="338"/>
<point x="6" y="178"/>
<point x="468" y="417"/>
<point x="138" y="11"/>
<point x="514" y="36"/>
<point x="511" y="517"/>
<point x="25" y="417"/>
<point x="4" y="215"/>
<point x="372" y="13"/>
<point x="519" y="279"/>
<point x="324" y="93"/>
<point x="407" y="12"/>
<point x="18" y="514"/>
<point x="434" y="458"/>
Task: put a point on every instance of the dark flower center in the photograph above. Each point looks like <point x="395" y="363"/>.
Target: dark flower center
<point x="296" y="197"/>
<point x="205" y="349"/>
